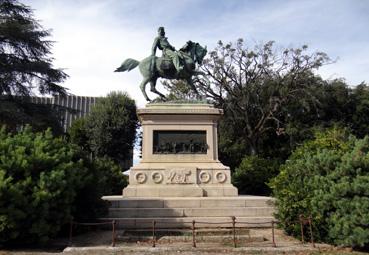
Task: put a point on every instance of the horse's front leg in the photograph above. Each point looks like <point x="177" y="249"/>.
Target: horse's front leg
<point x="190" y="83"/>
<point x="143" y="87"/>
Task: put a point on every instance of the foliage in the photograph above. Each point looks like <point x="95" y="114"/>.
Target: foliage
<point x="101" y="177"/>
<point x="328" y="178"/>
<point x="254" y="85"/>
<point x="231" y="151"/>
<point x="25" y="68"/>
<point x="24" y="53"/>
<point x="78" y="134"/>
<point x="38" y="180"/>
<point x="343" y="198"/>
<point x="178" y="90"/>
<point x="359" y="119"/>
<point x="110" y="128"/>
<point x="19" y="111"/>
<point x="253" y="174"/>
<point x="45" y="181"/>
<point x="272" y="99"/>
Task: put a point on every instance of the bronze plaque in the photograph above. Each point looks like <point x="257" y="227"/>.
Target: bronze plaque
<point x="179" y="142"/>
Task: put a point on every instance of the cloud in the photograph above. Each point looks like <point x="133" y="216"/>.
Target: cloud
<point x="94" y="37"/>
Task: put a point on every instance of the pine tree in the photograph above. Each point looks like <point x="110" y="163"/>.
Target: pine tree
<point x="25" y="62"/>
<point x="25" y="68"/>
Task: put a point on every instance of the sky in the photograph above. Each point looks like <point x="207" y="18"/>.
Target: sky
<point x="93" y="37"/>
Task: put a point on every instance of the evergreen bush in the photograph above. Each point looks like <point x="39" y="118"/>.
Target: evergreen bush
<point x="45" y="181"/>
<point x="38" y="181"/>
<point x="253" y="174"/>
<point x="101" y="177"/>
<point x="327" y="178"/>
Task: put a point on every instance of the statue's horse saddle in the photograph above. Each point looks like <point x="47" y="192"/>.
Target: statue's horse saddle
<point x="166" y="63"/>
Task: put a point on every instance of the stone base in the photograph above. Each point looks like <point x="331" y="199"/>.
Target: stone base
<point x="180" y="191"/>
<point x="252" y="211"/>
<point x="185" y="179"/>
<point x="163" y="191"/>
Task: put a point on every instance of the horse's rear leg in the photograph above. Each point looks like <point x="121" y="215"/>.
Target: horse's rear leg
<point x="153" y="89"/>
<point x="143" y="87"/>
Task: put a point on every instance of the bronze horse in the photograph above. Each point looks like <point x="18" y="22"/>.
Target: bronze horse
<point x="154" y="67"/>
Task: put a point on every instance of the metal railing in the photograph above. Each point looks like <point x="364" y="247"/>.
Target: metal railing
<point x="195" y="226"/>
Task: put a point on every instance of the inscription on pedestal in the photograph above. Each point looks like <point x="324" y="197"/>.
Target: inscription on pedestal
<point x="180" y="176"/>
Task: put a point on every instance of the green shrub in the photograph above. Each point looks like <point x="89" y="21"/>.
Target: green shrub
<point x="103" y="177"/>
<point x="327" y="178"/>
<point x="45" y="181"/>
<point x="343" y="197"/>
<point x="38" y="180"/>
<point x="253" y="174"/>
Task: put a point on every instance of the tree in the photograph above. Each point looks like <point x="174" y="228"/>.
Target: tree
<point x="254" y="86"/>
<point x="110" y="128"/>
<point x="24" y="53"/>
<point x="359" y="121"/>
<point x="44" y="181"/>
<point x="328" y="178"/>
<point x="100" y="177"/>
<point x="21" y="111"/>
<point x="253" y="174"/>
<point x="294" y="186"/>
<point x="25" y="66"/>
<point x="39" y="179"/>
<point x="333" y="106"/>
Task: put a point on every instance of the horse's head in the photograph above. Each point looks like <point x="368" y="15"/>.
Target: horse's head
<point x="195" y="50"/>
<point x="200" y="53"/>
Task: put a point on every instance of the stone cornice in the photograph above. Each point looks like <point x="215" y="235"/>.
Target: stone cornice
<point x="179" y="109"/>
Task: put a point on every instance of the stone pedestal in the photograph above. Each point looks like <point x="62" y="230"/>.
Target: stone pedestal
<point x="179" y="154"/>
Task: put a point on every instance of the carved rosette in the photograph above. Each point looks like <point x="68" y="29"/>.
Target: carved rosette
<point x="204" y="177"/>
<point x="157" y="177"/>
<point x="221" y="177"/>
<point x="140" y="177"/>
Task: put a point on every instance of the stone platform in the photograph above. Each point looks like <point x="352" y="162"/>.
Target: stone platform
<point x="177" y="212"/>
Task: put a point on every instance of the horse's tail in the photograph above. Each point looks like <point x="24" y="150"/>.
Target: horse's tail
<point x="128" y="65"/>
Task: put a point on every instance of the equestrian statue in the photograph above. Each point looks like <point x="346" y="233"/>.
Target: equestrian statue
<point x="173" y="64"/>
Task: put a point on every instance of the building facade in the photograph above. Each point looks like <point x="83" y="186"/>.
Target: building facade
<point x="75" y="106"/>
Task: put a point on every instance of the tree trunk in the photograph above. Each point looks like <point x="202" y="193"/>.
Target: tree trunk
<point x="253" y="146"/>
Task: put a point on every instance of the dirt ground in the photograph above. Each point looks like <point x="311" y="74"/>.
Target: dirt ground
<point x="255" y="242"/>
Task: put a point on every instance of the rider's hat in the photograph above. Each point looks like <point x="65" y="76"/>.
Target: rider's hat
<point x="160" y="29"/>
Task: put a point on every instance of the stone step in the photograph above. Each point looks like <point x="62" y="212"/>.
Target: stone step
<point x="171" y="212"/>
<point x="186" y="222"/>
<point x="190" y="212"/>
<point x="193" y="202"/>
